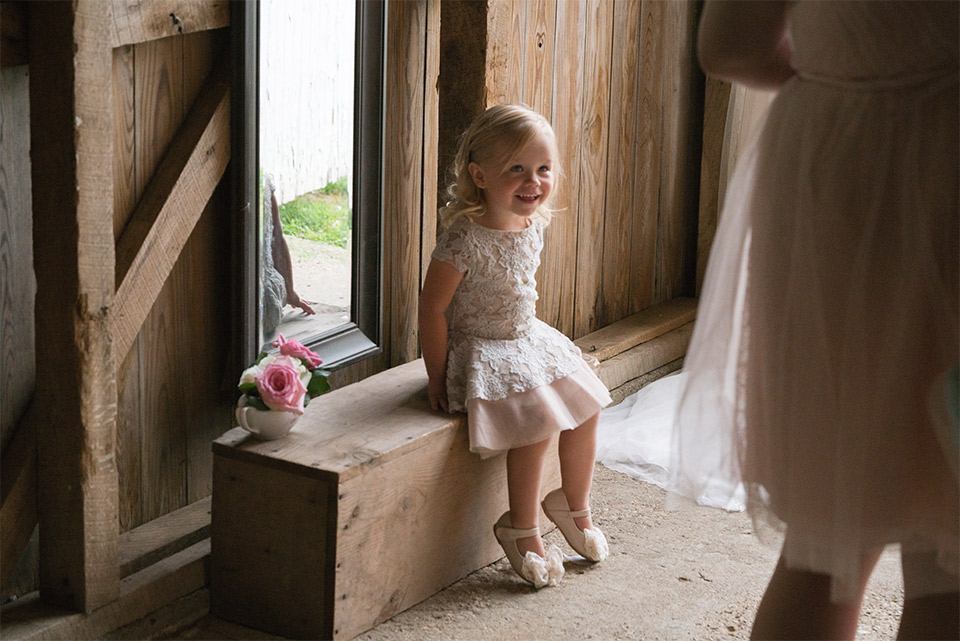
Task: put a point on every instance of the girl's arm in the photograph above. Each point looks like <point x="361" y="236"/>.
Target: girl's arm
<point x="745" y="42"/>
<point x="439" y="286"/>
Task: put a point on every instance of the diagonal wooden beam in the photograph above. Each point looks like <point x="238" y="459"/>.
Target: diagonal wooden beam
<point x="135" y="21"/>
<point x="170" y="208"/>
<point x="18" y="493"/>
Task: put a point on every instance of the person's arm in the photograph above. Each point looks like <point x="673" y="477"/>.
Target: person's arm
<point x="745" y="41"/>
<point x="282" y="260"/>
<point x="439" y="286"/>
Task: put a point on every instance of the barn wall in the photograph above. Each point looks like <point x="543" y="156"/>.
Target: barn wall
<point x="172" y="401"/>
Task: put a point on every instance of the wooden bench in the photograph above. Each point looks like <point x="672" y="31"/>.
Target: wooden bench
<point x="374" y="502"/>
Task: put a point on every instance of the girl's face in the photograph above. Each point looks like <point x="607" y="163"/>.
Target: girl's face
<point x="514" y="192"/>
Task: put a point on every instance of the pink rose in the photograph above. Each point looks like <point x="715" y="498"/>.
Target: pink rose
<point x="295" y="348"/>
<point x="280" y="386"/>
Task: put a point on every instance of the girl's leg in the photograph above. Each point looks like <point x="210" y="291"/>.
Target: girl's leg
<point x="797" y="605"/>
<point x="578" y="452"/>
<point x="931" y="599"/>
<point x="524" y="471"/>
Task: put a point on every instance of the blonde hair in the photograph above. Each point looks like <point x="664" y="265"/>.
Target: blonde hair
<point x="494" y="138"/>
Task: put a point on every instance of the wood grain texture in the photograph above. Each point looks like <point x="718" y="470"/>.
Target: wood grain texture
<point x="638" y="328"/>
<point x="17" y="282"/>
<point x="158" y="115"/>
<point x="72" y="148"/>
<point x="163" y="536"/>
<point x="431" y="138"/>
<point x="645" y="357"/>
<point x="30" y="619"/>
<point x="593" y="165"/>
<point x="136" y="22"/>
<point x="18" y="494"/>
<point x="619" y="208"/>
<point x="646" y="204"/>
<point x="682" y="120"/>
<point x="403" y="170"/>
<point x="557" y="273"/>
<point x="505" y="59"/>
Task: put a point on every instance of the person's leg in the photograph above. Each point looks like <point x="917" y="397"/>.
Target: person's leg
<point x="524" y="471"/>
<point x="797" y="605"/>
<point x="931" y="601"/>
<point x="578" y="453"/>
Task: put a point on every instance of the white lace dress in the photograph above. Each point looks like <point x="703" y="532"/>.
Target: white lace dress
<point x="519" y="380"/>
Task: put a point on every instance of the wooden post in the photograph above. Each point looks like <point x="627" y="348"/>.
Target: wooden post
<point x="76" y="392"/>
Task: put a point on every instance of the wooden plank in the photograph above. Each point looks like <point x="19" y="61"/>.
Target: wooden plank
<point x="125" y="196"/>
<point x="619" y="208"/>
<point x="646" y="205"/>
<point x="403" y="167"/>
<point x="17" y="285"/>
<point x="539" y="42"/>
<point x="463" y="44"/>
<point x="18" y="494"/>
<point x="645" y="357"/>
<point x="136" y="22"/>
<point x="160" y="537"/>
<point x="170" y="621"/>
<point x="631" y="387"/>
<point x="76" y="393"/>
<point x="170" y="207"/>
<point x="716" y="101"/>
<point x="158" y="114"/>
<point x="431" y="140"/>
<point x="202" y="274"/>
<point x="593" y="167"/>
<point x="557" y="273"/>
<point x="277" y="574"/>
<point x="676" y="263"/>
<point x="29" y="619"/>
<point x="506" y="20"/>
<point x="13" y="34"/>
<point x="641" y="327"/>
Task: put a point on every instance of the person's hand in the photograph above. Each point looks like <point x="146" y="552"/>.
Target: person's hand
<point x="437" y="393"/>
<point x="294" y="300"/>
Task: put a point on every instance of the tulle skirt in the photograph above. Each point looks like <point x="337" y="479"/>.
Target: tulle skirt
<point x="820" y="366"/>
<point x="525" y="418"/>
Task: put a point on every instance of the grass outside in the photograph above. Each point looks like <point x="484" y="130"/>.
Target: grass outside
<point x="323" y="215"/>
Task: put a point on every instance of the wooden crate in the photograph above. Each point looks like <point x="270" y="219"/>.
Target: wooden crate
<point x="370" y="505"/>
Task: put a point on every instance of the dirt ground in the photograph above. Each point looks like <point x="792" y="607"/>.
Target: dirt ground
<point x="691" y="574"/>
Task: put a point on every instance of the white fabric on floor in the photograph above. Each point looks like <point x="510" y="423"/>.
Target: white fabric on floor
<point x="635" y="438"/>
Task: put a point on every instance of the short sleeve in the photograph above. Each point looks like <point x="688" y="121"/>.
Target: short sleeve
<point x="452" y="248"/>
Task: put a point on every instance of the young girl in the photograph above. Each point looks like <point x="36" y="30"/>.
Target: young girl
<point x="519" y="380"/>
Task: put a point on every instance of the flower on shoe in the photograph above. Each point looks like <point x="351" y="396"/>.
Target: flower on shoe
<point x="293" y="347"/>
<point x="281" y="386"/>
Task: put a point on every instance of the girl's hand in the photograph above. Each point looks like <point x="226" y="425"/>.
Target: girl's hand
<point x="437" y="393"/>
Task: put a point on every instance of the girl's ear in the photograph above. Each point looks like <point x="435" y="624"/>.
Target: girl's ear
<point x="477" y="174"/>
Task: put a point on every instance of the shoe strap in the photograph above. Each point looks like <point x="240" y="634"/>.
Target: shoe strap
<point x="573" y="513"/>
<point x="512" y="533"/>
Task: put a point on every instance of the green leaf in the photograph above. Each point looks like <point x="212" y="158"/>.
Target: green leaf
<point x="318" y="383"/>
<point x="257" y="403"/>
<point x="247" y="388"/>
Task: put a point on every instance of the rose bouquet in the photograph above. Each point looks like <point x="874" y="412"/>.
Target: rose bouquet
<point x="284" y="382"/>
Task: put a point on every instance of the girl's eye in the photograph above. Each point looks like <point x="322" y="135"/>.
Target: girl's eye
<point x="545" y="169"/>
<point x="517" y="168"/>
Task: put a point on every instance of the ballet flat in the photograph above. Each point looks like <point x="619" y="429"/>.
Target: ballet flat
<point x="591" y="544"/>
<point x="532" y="567"/>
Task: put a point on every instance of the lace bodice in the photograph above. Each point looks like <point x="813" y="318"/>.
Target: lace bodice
<point x="496" y="344"/>
<point x="498" y="294"/>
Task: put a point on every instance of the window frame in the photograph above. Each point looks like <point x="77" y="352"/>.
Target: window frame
<point x="362" y="336"/>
